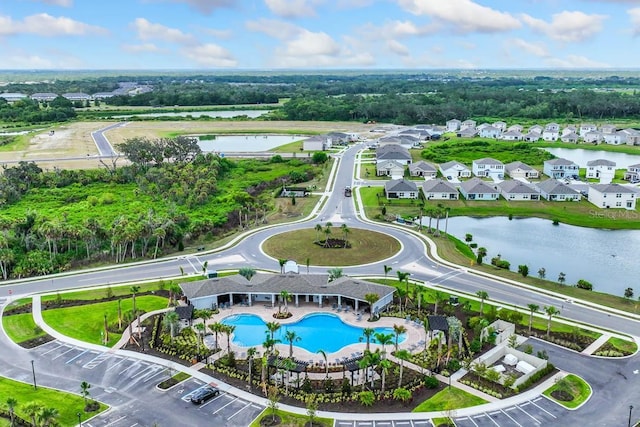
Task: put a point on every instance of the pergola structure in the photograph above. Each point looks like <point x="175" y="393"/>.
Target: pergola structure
<point x="266" y="289"/>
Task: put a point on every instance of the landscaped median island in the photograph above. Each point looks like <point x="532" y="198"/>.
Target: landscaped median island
<point x="48" y="406"/>
<point x="18" y="323"/>
<point x="570" y="391"/>
<point x="450" y="398"/>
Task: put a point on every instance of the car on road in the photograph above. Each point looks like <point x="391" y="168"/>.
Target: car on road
<point x="203" y="394"/>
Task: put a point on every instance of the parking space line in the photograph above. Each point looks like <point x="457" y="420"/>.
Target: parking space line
<point x="101" y="357"/>
<point x="401" y="423"/>
<point x="75" y="357"/>
<point x="149" y="378"/>
<point x="492" y="420"/>
<point x="143" y="373"/>
<point x="511" y="418"/>
<point x="62" y="354"/>
<point x="240" y="410"/>
<point x="346" y="423"/>
<point x="382" y="423"/>
<point x="531" y="416"/>
<point x="113" y="422"/>
<point x="540" y="407"/>
<point x="421" y="422"/>
<point x="221" y="408"/>
<point x="136" y="363"/>
<point x="53" y="349"/>
<point x="470" y="419"/>
<point x="115" y="364"/>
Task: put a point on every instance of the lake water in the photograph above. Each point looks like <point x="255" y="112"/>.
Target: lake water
<point x="606" y="258"/>
<point x="247" y="143"/>
<point x="226" y="114"/>
<point x="581" y="156"/>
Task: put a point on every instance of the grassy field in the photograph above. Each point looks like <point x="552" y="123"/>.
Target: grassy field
<point x="67" y="404"/>
<point x="448" y="399"/>
<point x="623" y="345"/>
<point x="574" y="385"/>
<point x="292" y="420"/>
<point x="21" y="327"/>
<point x="366" y="246"/>
<point x="86" y="322"/>
<point x="628" y="149"/>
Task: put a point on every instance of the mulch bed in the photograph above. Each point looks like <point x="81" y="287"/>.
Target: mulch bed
<point x="36" y="342"/>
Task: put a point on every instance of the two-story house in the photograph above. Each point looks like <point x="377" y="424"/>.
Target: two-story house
<point x="633" y="173"/>
<point x="612" y="196"/>
<point x="560" y="168"/>
<point x="601" y="169"/>
<point x="488" y="167"/>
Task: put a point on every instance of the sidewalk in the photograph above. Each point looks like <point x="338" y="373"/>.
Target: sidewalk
<point x="596" y="344"/>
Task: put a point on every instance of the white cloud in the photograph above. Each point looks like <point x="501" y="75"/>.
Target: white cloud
<point x="634" y="15"/>
<point x="44" y="24"/>
<point x="576" y="61"/>
<point x="207" y="6"/>
<point x="464" y="15"/>
<point x="274" y="28"/>
<point x="567" y="26"/>
<point x="536" y="49"/>
<point x="209" y="55"/>
<point x="141" y="48"/>
<point x="310" y="44"/>
<point x="150" y="31"/>
<point x="63" y="3"/>
<point x="292" y="8"/>
<point x="397" y="48"/>
<point x="219" y="34"/>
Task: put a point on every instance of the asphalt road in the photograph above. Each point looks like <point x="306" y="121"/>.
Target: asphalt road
<point x="101" y="141"/>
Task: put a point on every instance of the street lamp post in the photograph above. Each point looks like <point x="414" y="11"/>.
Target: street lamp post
<point x="33" y="371"/>
<point x="630" y="409"/>
<point x="79" y="419"/>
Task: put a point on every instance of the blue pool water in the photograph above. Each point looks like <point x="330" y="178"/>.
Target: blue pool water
<point x="319" y="331"/>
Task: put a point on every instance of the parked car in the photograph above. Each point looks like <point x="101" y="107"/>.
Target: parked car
<point x="203" y="394"/>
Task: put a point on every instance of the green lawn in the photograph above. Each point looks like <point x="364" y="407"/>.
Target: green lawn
<point x="449" y="398"/>
<point x="21" y="327"/>
<point x="86" y="322"/>
<point x="67" y="404"/>
<point x="292" y="420"/>
<point x="576" y="386"/>
<point x="122" y="290"/>
<point x="626" y="346"/>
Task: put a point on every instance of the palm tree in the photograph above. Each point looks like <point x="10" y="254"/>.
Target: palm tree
<point x="307" y="262"/>
<point x="327" y="233"/>
<point x="286" y="297"/>
<point x="228" y="330"/>
<point x="483" y="295"/>
<point x="247" y="272"/>
<point x="47" y="416"/>
<point x="272" y="327"/>
<point x="326" y="365"/>
<point x="282" y="262"/>
<point x="288" y="365"/>
<point x="318" y="229"/>
<point x="384" y="340"/>
<point x="291" y="337"/>
<point x="251" y="352"/>
<point x="398" y="330"/>
<point x="345" y="233"/>
<point x="11" y="405"/>
<point x="532" y="309"/>
<point x="32" y="409"/>
<point x="562" y="278"/>
<point x="170" y="322"/>
<point x="217" y="328"/>
<point x="404" y="356"/>
<point x="368" y="333"/>
<point x="384" y="366"/>
<point x="174" y="291"/>
<point x="387" y="269"/>
<point x="371" y="299"/>
<point x="404" y="277"/>
<point x="438" y="298"/>
<point x="134" y="290"/>
<point x="334" y="273"/>
<point x="84" y="391"/>
<point x="551" y="311"/>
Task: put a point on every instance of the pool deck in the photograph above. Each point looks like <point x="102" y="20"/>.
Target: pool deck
<point x="414" y="342"/>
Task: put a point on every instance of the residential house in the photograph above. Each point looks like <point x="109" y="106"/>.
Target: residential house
<point x="467" y="133"/>
<point x="393" y="152"/>
<point x="454" y="169"/>
<point x="560" y="168"/>
<point x="482" y="126"/>
<point x="556" y="191"/>
<point x="514" y="190"/>
<point x="615" y="138"/>
<point x="79" y="96"/>
<point x="554" y="127"/>
<point x="587" y="127"/>
<point x="631" y="136"/>
<point x="614" y="196"/>
<point x="468" y="124"/>
<point x="422" y="168"/>
<point x="477" y="189"/>
<point x="12" y="96"/>
<point x="601" y="169"/>
<point x="400" y="189"/>
<point x="532" y="136"/>
<point x="550" y="133"/>
<point x="536" y="128"/>
<point x="569" y="129"/>
<point x="521" y="170"/>
<point x="515" y="128"/>
<point x="512" y="135"/>
<point x="500" y="125"/>
<point x="571" y="137"/>
<point x="633" y="173"/>
<point x="593" y="137"/>
<point x="44" y="96"/>
<point x="390" y="168"/>
<point x="490" y="132"/>
<point x="488" y="167"/>
<point x="407" y="141"/>
<point x="316" y="143"/>
<point x="453" y="125"/>
<point x="608" y="129"/>
<point x="439" y="189"/>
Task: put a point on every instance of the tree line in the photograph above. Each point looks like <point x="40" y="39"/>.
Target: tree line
<point x="29" y="111"/>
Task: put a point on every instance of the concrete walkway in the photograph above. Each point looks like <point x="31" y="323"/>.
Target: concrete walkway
<point x="596" y="344"/>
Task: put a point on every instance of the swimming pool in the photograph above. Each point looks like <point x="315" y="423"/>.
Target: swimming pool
<point x="319" y="331"/>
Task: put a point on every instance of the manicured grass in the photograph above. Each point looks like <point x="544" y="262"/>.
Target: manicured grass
<point x="443" y="422"/>
<point x="21" y="327"/>
<point x="366" y="246"/>
<point x="625" y="346"/>
<point x="574" y="385"/>
<point x="291" y="420"/>
<point x="85" y="322"/>
<point x="466" y="150"/>
<point x="67" y="404"/>
<point x="449" y="398"/>
<point x="628" y="149"/>
<point x="19" y="303"/>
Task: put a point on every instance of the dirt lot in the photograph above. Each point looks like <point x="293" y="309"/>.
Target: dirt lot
<point x="70" y="146"/>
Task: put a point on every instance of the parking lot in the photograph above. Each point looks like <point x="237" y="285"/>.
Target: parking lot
<point x="128" y="385"/>
<point x="537" y="412"/>
<point x="389" y="423"/>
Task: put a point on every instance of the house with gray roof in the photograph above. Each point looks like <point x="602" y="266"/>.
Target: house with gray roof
<point x="77" y="96"/>
<point x="490" y="132"/>
<point x="400" y="189"/>
<point x="556" y="191"/>
<point x="44" y="96"/>
<point x="453" y="125"/>
<point x="570" y="137"/>
<point x="393" y="152"/>
<point x="265" y="288"/>
<point x="469" y="132"/>
<point x="439" y="189"/>
<point x="424" y="169"/>
<point x="468" y="124"/>
<point x="317" y="143"/>
<point x="532" y="136"/>
<point x="612" y="196"/>
<point x="601" y="169"/>
<point x="514" y="190"/>
<point x="633" y="173"/>
<point x="390" y="168"/>
<point x="454" y="169"/>
<point x="521" y="170"/>
<point x="561" y="168"/>
<point x="488" y="167"/>
<point x="512" y="135"/>
<point x="477" y="189"/>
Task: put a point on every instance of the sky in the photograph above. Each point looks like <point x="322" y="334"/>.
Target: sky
<point x="319" y="34"/>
